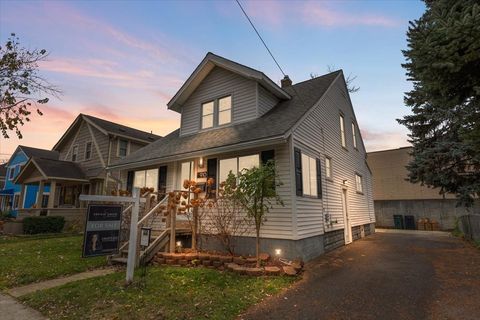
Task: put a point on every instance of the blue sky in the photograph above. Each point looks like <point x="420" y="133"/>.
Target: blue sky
<point x="124" y="60"/>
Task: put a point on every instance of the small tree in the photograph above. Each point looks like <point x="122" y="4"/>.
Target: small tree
<point x="20" y="85"/>
<point x="257" y="193"/>
<point x="226" y="219"/>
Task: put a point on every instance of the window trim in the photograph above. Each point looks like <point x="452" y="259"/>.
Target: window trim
<point x="202" y="115"/>
<point x="354" y="135"/>
<point x="85" y="153"/>
<point x="118" y="147"/>
<point x="328" y="177"/>
<point x="361" y="183"/>
<point x="76" y="154"/>
<point x="343" y="136"/>
<point x="216" y="112"/>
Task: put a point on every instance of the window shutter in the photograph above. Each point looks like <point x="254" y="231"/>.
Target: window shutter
<point x="319" y="179"/>
<point x="267" y="155"/>
<point x="130" y="175"/>
<point x="162" y="180"/>
<point x="212" y="171"/>
<point x="298" y="171"/>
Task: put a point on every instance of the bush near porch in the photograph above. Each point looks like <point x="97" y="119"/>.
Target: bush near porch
<point x="170" y="293"/>
<point x="27" y="259"/>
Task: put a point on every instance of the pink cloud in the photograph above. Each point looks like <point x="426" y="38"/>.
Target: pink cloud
<point x="382" y="140"/>
<point x="316" y="13"/>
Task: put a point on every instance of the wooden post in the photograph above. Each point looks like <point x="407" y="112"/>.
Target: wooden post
<point x="38" y="203"/>
<point x="132" y="244"/>
<point x="51" y="197"/>
<point x="21" y="199"/>
<point x="173" y="220"/>
<point x="195" y="224"/>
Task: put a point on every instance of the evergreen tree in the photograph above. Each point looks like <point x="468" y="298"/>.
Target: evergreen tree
<point x="443" y="62"/>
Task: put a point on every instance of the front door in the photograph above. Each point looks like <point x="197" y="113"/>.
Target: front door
<point x="346" y="219"/>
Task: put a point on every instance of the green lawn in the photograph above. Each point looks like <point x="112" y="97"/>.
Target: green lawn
<point x="30" y="259"/>
<point x="170" y="293"/>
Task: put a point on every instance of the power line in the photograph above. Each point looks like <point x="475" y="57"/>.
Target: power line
<point x="261" y="39"/>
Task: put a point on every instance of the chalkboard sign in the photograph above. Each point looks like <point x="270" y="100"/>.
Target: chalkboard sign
<point x="102" y="230"/>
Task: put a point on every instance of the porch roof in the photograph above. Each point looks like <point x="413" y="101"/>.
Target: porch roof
<point x="275" y="124"/>
<point x="38" y="169"/>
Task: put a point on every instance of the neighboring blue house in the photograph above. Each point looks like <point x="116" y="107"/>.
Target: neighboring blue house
<point x="10" y="194"/>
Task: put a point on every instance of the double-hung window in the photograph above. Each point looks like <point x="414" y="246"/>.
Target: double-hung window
<point x="342" y="131"/>
<point x="208" y="114"/>
<point x="354" y="135"/>
<point x="122" y="148"/>
<point x="217" y="112"/>
<point x="359" y="183"/>
<point x="74" y="153"/>
<point x="11" y="173"/>
<point x="328" y="168"/>
<point x="309" y="175"/>
<point x="88" y="150"/>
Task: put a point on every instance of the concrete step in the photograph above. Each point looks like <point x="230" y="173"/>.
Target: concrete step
<point x="119" y="260"/>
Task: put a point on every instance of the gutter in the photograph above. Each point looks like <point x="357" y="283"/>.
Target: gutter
<point x="205" y="152"/>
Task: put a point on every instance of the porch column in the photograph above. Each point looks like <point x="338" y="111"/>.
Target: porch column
<point x="21" y="199"/>
<point x="51" y="197"/>
<point x="38" y="203"/>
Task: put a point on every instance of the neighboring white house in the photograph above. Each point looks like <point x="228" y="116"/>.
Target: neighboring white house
<point x="233" y="117"/>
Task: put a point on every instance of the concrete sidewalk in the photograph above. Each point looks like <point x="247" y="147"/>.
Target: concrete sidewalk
<point x="11" y="309"/>
<point x="20" y="291"/>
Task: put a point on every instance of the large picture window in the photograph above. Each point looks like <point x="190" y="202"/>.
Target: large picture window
<point x="146" y="179"/>
<point x="309" y="175"/>
<point x="236" y="165"/>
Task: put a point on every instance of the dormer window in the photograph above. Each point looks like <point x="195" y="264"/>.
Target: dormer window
<point x="224" y="110"/>
<point x="217" y="112"/>
<point x="207" y="114"/>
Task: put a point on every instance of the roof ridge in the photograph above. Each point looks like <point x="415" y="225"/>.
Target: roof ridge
<point x="319" y="77"/>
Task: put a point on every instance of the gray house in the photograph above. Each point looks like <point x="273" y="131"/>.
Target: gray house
<point x="235" y="117"/>
<point x="82" y="154"/>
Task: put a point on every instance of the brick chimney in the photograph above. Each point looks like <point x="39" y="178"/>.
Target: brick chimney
<point x="286" y="82"/>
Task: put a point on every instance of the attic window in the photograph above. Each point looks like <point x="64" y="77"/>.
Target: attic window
<point x="122" y="148"/>
<point x="224" y="110"/>
<point x="217" y="112"/>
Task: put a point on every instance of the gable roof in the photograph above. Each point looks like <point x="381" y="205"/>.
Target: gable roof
<point x="275" y="124"/>
<point x="208" y="63"/>
<point x="52" y="169"/>
<point x="30" y="152"/>
<point x="108" y="127"/>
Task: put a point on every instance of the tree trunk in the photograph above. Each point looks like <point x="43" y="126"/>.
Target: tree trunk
<point x="258" y="246"/>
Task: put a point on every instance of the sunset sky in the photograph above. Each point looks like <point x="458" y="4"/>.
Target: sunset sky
<point x="123" y="61"/>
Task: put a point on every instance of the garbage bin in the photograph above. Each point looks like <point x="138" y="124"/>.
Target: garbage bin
<point x="398" y="221"/>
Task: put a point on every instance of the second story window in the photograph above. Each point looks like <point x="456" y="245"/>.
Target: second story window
<point x="11" y="173"/>
<point x="88" y="150"/>
<point x="224" y="110"/>
<point x="122" y="148"/>
<point x="342" y="131"/>
<point x="74" y="153"/>
<point x="217" y="112"/>
<point x="207" y="115"/>
<point x="354" y="135"/>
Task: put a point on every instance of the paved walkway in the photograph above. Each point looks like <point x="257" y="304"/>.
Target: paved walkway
<point x="20" y="291"/>
<point x="11" y="309"/>
<point x="389" y="275"/>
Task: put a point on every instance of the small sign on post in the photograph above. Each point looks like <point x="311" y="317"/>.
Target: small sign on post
<point x="145" y="236"/>
<point x="102" y="230"/>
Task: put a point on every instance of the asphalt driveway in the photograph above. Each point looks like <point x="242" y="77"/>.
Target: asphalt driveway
<point x="385" y="276"/>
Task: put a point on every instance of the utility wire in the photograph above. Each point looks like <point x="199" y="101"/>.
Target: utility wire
<point x="261" y="39"/>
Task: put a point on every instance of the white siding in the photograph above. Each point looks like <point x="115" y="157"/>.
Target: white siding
<point x="345" y="163"/>
<point x="266" y="100"/>
<point x="218" y="83"/>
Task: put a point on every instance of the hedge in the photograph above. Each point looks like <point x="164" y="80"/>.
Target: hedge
<point x="49" y="224"/>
